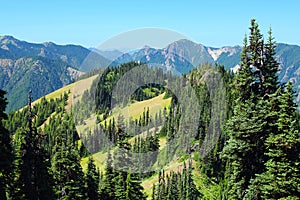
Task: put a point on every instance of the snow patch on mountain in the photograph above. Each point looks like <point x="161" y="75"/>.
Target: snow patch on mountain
<point x="235" y="68"/>
<point x="215" y="53"/>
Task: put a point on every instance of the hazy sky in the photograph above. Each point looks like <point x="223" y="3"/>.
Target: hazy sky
<point x="91" y="22"/>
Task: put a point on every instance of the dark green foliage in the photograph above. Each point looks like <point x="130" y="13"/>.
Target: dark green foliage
<point x="281" y="180"/>
<point x="176" y="185"/>
<point x="120" y="185"/>
<point x="41" y="111"/>
<point x="92" y="180"/>
<point x="172" y="120"/>
<point x="262" y="149"/>
<point x="244" y="149"/>
<point x="32" y="179"/>
<point x="66" y="168"/>
<point x="33" y="149"/>
<point x="6" y="153"/>
<point x="147" y="92"/>
<point x="259" y="143"/>
<point x="191" y="191"/>
<point x="129" y="188"/>
<point x="42" y="67"/>
<point x="106" y="84"/>
<point x="107" y="186"/>
<point x="118" y="182"/>
<point x="243" y="82"/>
<point x="270" y="83"/>
<point x="243" y="146"/>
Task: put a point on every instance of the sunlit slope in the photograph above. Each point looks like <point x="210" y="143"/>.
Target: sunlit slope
<point x="73" y="89"/>
<point x="132" y="111"/>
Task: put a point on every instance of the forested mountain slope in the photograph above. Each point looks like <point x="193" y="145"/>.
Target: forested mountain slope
<point x="47" y="67"/>
<point x="43" y="68"/>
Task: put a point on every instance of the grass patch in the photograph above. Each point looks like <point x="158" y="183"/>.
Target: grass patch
<point x="135" y="109"/>
<point x="99" y="158"/>
<point x="88" y="123"/>
<point x="76" y="89"/>
<point x="208" y="188"/>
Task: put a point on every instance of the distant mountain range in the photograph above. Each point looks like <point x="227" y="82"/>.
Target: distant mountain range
<point x="184" y="55"/>
<point x="47" y="67"/>
<point x="41" y="67"/>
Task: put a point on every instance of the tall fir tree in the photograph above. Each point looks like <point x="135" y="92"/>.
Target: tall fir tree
<point x="92" y="180"/>
<point x="120" y="185"/>
<point x="242" y="82"/>
<point x="252" y="120"/>
<point x="176" y="185"/>
<point x="6" y="153"/>
<point x="108" y="185"/>
<point x="269" y="97"/>
<point x="134" y="190"/>
<point x="270" y="84"/>
<point x="32" y="177"/>
<point x="66" y="168"/>
<point x="255" y="52"/>
<point x="282" y="177"/>
<point x="191" y="191"/>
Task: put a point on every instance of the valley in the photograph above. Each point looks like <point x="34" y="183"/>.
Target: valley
<point x="185" y="121"/>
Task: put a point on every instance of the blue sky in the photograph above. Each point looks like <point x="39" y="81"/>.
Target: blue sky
<point x="91" y="22"/>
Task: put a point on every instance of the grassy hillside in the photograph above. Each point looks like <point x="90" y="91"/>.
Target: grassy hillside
<point x="76" y="88"/>
<point x="131" y="111"/>
<point x="99" y="158"/>
<point x="134" y="110"/>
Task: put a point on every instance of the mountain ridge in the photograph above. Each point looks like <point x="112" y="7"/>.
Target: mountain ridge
<point x="184" y="55"/>
<point x="41" y="67"/>
<point x="52" y="66"/>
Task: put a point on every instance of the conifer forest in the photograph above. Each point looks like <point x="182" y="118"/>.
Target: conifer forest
<point x="210" y="133"/>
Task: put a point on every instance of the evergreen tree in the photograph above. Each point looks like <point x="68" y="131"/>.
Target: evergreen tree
<point x="154" y="194"/>
<point x="191" y="191"/>
<point x="242" y="87"/>
<point x="66" y="168"/>
<point x="282" y="177"/>
<point x="122" y="164"/>
<point x="270" y="84"/>
<point x="253" y="118"/>
<point x="176" y="185"/>
<point x="120" y="185"/>
<point x="239" y="148"/>
<point x="255" y="52"/>
<point x="108" y="185"/>
<point x="92" y="180"/>
<point x="6" y="154"/>
<point x="134" y="190"/>
<point x="32" y="177"/>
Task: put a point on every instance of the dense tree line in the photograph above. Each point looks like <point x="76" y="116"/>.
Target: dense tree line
<point x="6" y="154"/>
<point x="176" y="185"/>
<point x="44" y="163"/>
<point x="246" y="142"/>
<point x="262" y="149"/>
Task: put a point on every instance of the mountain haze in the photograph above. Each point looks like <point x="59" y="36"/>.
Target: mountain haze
<point x="41" y="67"/>
<point x="46" y="67"/>
<point x="184" y="55"/>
